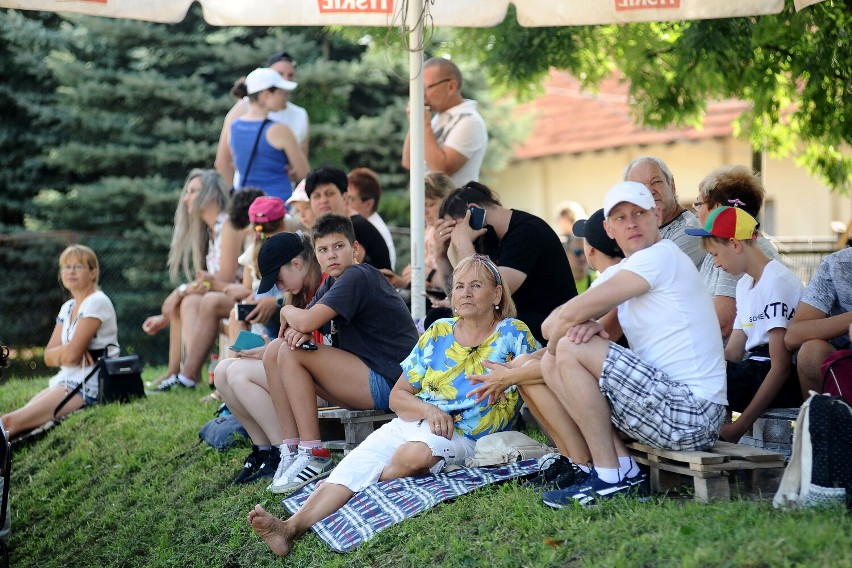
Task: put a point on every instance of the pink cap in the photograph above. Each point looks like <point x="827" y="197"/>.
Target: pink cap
<point x="265" y="209"/>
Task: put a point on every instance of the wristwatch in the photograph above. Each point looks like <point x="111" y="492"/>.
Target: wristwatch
<point x="182" y="290"/>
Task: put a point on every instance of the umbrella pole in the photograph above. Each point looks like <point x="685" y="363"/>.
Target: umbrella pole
<point x="414" y="25"/>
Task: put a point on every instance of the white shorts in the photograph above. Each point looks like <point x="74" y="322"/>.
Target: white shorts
<point x="363" y="466"/>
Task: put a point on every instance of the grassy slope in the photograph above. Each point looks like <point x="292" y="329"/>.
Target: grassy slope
<point x="125" y="486"/>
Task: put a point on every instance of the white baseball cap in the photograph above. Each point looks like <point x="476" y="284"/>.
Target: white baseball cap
<point x="299" y="194"/>
<point x="631" y="192"/>
<point x="264" y="78"/>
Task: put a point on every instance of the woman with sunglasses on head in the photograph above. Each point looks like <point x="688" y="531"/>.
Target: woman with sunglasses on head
<point x="85" y="327"/>
<point x="266" y="154"/>
<point x="439" y="418"/>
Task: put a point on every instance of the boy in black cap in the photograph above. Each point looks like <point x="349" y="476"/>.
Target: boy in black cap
<point x="601" y="250"/>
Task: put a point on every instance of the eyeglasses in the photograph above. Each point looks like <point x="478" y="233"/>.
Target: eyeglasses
<point x="698" y="204"/>
<point x="436" y="83"/>
<point x="577" y="252"/>
<point x="74" y="267"/>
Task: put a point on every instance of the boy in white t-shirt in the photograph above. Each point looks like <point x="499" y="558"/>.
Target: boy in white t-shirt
<point x="668" y="389"/>
<point x="760" y="371"/>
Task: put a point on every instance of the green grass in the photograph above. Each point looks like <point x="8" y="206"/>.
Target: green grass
<point x="125" y="485"/>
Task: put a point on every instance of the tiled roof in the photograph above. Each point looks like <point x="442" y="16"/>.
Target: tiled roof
<point x="569" y="120"/>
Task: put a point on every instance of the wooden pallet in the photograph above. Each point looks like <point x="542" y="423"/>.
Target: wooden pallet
<point x="357" y="425"/>
<point x="711" y="470"/>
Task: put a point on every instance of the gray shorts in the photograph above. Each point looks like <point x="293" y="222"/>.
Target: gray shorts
<point x="655" y="410"/>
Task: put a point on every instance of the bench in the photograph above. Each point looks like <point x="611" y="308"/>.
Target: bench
<point x="711" y="471"/>
<point x="356" y="426"/>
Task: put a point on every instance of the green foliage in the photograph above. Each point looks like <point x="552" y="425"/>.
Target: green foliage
<point x="100" y="119"/>
<point x="794" y="68"/>
<point x="125" y="485"/>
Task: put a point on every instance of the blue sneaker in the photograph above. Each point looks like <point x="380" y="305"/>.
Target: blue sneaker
<point x="640" y="481"/>
<point x="587" y="492"/>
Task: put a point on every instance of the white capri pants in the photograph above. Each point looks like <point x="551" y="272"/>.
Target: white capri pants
<point x="363" y="466"/>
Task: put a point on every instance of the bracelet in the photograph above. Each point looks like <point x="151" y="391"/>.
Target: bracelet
<point x="207" y="284"/>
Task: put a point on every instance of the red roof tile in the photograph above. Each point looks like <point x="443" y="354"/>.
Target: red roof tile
<point x="569" y="120"/>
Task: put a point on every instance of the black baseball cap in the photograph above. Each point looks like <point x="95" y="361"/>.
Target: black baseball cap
<point x="276" y="251"/>
<point x="593" y="231"/>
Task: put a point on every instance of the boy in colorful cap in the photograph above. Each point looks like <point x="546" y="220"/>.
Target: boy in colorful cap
<point x="760" y="371"/>
<point x="668" y="389"/>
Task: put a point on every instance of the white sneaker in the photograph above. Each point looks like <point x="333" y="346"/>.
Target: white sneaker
<point x="306" y="467"/>
<point x="284" y="464"/>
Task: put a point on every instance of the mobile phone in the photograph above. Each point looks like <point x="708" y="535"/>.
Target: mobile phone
<point x="436" y="294"/>
<point x="308" y="346"/>
<point x="477" y="217"/>
<point x="243" y="310"/>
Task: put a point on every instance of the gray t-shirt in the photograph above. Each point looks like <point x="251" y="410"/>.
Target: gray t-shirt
<point x="372" y="321"/>
<point x="721" y="283"/>
<point x="830" y="289"/>
<point x="687" y="243"/>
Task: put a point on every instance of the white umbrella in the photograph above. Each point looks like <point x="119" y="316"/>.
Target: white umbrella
<point x="456" y="13"/>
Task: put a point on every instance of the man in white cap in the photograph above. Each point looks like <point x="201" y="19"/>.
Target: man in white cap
<point x="668" y="389"/>
<point x="292" y="115"/>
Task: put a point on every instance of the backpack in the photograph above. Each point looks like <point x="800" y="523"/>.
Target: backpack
<point x="837" y="374"/>
<point x="820" y="471"/>
<point x="223" y="431"/>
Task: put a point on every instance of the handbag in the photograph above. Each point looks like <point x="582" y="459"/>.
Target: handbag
<point x="837" y="374"/>
<point x="119" y="378"/>
<point x="244" y="176"/>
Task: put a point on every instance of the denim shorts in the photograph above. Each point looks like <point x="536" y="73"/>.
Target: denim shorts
<point x="380" y="391"/>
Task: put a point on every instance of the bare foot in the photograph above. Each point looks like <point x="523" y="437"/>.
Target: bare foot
<point x="154" y="324"/>
<point x="272" y="530"/>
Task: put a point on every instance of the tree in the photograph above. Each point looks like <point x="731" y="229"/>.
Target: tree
<point x="101" y="119"/>
<point x="794" y="68"/>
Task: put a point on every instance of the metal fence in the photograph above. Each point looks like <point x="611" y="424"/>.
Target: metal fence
<point x="134" y="276"/>
<point x="804" y="254"/>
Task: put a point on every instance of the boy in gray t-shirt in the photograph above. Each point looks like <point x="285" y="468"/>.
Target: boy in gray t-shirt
<point x="820" y="326"/>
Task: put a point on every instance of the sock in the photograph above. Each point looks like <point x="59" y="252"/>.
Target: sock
<point x="608" y="474"/>
<point x="290" y="444"/>
<point x="584" y="468"/>
<point x="264" y="447"/>
<point x="308" y="445"/>
<point x="627" y="467"/>
<point x="185" y="381"/>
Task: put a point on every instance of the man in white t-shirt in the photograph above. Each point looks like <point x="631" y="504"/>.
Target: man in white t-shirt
<point x="668" y="389"/>
<point x="294" y="116"/>
<point x="363" y="195"/>
<point x="455" y="138"/>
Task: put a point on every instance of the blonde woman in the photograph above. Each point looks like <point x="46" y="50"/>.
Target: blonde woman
<point x="85" y="326"/>
<point x="205" y="247"/>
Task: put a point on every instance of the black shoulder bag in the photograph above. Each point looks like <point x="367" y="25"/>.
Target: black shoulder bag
<point x="119" y="378"/>
<point x="244" y="176"/>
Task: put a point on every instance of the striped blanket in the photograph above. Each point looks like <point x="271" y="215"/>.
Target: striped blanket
<point x="386" y="503"/>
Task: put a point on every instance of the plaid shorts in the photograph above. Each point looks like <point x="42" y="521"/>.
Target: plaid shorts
<point x="652" y="408"/>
